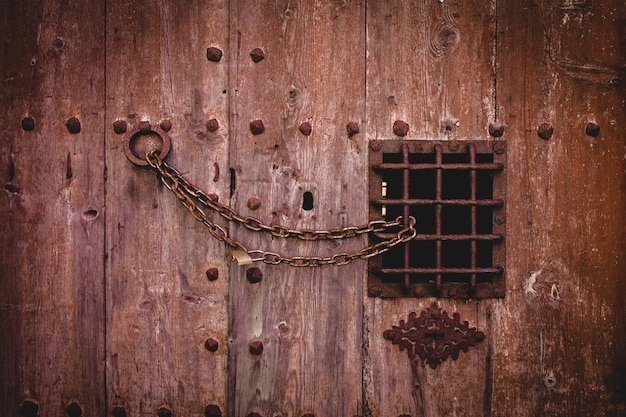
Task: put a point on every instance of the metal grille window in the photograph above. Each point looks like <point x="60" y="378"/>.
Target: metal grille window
<point x="456" y="192"/>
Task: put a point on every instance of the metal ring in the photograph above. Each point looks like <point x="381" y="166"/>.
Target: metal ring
<point x="167" y="144"/>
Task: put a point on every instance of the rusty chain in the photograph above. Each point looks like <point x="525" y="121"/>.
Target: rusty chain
<point x="190" y="196"/>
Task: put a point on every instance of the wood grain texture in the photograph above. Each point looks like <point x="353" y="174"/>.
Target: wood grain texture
<point x="309" y="320"/>
<point x="51" y="209"/>
<point x="560" y="340"/>
<point x="161" y="307"/>
<point x="430" y="65"/>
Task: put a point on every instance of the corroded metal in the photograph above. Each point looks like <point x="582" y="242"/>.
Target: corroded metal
<point x="434" y="336"/>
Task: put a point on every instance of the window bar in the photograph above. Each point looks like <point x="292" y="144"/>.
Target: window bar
<point x="472" y="152"/>
<point x="405" y="196"/>
<point x="439" y="151"/>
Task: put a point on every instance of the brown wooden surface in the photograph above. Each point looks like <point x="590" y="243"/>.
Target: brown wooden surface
<point x="559" y="345"/>
<point x="52" y="208"/>
<point x="419" y="56"/>
<point x="161" y="307"/>
<point x="309" y="320"/>
<point x="105" y="301"/>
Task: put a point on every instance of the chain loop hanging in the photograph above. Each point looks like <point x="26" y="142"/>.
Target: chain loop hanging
<point x="192" y="197"/>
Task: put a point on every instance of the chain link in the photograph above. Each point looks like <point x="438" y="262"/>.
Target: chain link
<point x="190" y="196"/>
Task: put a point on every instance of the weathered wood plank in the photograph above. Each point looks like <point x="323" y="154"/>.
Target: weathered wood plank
<point x="430" y="65"/>
<point x="161" y="307"/>
<point x="307" y="319"/>
<point x="559" y="348"/>
<point x="419" y="56"/>
<point x="52" y="209"/>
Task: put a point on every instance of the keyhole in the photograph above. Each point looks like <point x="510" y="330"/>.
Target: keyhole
<point x="307" y="201"/>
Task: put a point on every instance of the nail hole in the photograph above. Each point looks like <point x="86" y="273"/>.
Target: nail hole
<point x="164" y="412"/>
<point x="307" y="201"/>
<point x="90" y="214"/>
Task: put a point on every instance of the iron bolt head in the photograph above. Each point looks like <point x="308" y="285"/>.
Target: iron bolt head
<point x="499" y="147"/>
<point x="212" y="274"/>
<point x="166" y="125"/>
<point x="256" y="348"/>
<point x="545" y="131"/>
<point x="400" y="128"/>
<point x="212" y="410"/>
<point x="213" y="54"/>
<point x="305" y="128"/>
<point x="212" y="125"/>
<point x="73" y="125"/>
<point x="74" y="410"/>
<point x="257" y="127"/>
<point x="353" y="128"/>
<point x="496" y="129"/>
<point x="164" y="412"/>
<point x="254" y="275"/>
<point x="28" y="124"/>
<point x="213" y="197"/>
<point x="120" y="126"/>
<point x="592" y="129"/>
<point x="211" y="345"/>
<point x="118" y="412"/>
<point x="29" y="409"/>
<point x="257" y="55"/>
<point x="254" y="203"/>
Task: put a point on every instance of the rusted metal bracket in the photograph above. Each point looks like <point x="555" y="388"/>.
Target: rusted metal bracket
<point x="433" y="336"/>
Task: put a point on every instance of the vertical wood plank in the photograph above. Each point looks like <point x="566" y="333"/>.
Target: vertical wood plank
<point x="560" y="347"/>
<point x="430" y="65"/>
<point x="162" y="308"/>
<point x="51" y="209"/>
<point x="307" y="319"/>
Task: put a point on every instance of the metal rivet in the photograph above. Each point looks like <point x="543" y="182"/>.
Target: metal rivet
<point x="496" y="129"/>
<point x="499" y="147"/>
<point x="254" y="275"/>
<point x="257" y="127"/>
<point x="166" y="125"/>
<point x="74" y="410"/>
<point x="545" y="131"/>
<point x="213" y="54"/>
<point x="29" y="409"/>
<point x="73" y="125"/>
<point x="376" y="145"/>
<point x="256" y="347"/>
<point x="400" y="128"/>
<point x="212" y="125"/>
<point x="305" y="128"/>
<point x="254" y="203"/>
<point x="212" y="410"/>
<point x="257" y="55"/>
<point x="353" y="128"/>
<point x="118" y="412"/>
<point x="144" y="127"/>
<point x="211" y="345"/>
<point x="213" y="197"/>
<point x="58" y="44"/>
<point x="120" y="126"/>
<point x="212" y="274"/>
<point x="375" y="291"/>
<point x="592" y="129"/>
<point x="28" y="123"/>
<point x="164" y="412"/>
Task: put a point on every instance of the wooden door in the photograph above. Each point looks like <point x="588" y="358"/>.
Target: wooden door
<point x="117" y="301"/>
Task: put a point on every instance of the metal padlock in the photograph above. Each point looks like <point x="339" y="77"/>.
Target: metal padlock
<point x="240" y="257"/>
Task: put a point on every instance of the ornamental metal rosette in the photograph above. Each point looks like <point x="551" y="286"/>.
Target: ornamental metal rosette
<point x="434" y="335"/>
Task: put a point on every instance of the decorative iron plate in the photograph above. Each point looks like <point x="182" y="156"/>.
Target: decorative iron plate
<point x="433" y="336"/>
